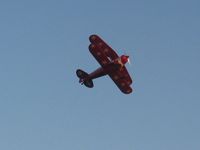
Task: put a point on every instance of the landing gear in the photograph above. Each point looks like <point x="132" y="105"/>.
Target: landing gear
<point x="81" y="81"/>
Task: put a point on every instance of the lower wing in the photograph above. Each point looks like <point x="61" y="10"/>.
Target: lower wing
<point x="122" y="80"/>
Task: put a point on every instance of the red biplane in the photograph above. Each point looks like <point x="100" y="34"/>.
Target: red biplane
<point x="111" y="64"/>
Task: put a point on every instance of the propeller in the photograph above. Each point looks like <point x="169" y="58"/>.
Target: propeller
<point x="129" y="61"/>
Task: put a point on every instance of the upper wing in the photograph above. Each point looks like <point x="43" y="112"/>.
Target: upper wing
<point x="124" y="73"/>
<point x="122" y="79"/>
<point x="99" y="55"/>
<point x="103" y="47"/>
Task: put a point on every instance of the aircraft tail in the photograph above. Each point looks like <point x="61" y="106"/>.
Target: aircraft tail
<point x="84" y="78"/>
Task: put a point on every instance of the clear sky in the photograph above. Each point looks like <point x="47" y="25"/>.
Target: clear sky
<point x="42" y="105"/>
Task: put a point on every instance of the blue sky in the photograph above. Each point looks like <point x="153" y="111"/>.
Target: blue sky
<point x="42" y="105"/>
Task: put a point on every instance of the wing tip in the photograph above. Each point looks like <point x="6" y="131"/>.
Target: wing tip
<point x="128" y="91"/>
<point x="93" y="38"/>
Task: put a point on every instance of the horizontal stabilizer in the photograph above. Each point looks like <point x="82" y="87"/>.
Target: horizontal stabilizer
<point x="84" y="78"/>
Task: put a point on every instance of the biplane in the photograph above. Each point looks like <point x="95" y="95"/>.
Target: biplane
<point x="111" y="65"/>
